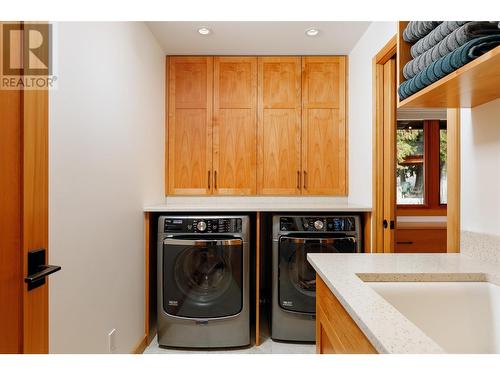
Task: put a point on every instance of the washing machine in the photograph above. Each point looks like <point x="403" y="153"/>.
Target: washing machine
<point x="203" y="281"/>
<point x="293" y="278"/>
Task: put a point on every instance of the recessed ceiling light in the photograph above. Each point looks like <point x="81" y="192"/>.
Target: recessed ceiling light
<point x="312" y="32"/>
<point x="204" y="31"/>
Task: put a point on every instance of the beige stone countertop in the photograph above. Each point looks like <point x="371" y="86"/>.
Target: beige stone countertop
<point x="256" y="204"/>
<point x="388" y="330"/>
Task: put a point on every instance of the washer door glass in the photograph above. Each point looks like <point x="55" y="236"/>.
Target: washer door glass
<point x="203" y="278"/>
<point x="203" y="273"/>
<point x="297" y="278"/>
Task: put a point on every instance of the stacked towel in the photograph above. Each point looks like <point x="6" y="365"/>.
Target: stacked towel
<point x="452" y="41"/>
<point x="418" y="29"/>
<point x="449" y="63"/>
<point x="434" y="37"/>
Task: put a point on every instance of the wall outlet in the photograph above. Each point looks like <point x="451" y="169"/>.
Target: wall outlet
<point x="112" y="341"/>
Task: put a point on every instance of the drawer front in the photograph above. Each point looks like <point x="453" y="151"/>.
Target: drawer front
<point x="420" y="241"/>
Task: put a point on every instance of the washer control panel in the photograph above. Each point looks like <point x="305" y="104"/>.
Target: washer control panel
<point x="203" y="225"/>
<point x="318" y="224"/>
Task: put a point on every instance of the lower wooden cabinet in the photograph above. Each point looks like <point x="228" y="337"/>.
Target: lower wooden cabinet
<point x="423" y="240"/>
<point x="336" y="332"/>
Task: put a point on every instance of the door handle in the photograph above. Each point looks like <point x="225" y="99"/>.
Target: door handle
<point x="305" y="180"/>
<point x="385" y="224"/>
<point x="208" y="180"/>
<point x="37" y="269"/>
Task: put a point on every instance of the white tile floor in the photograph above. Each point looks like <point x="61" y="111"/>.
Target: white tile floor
<point x="267" y="346"/>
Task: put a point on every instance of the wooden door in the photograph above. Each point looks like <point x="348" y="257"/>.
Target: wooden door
<point x="279" y="126"/>
<point x="235" y="126"/>
<point x="324" y="133"/>
<point x="189" y="127"/>
<point x="24" y="321"/>
<point x="11" y="256"/>
<point x="389" y="150"/>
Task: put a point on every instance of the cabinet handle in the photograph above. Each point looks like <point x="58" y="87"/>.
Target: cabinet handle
<point x="208" y="180"/>
<point x="215" y="180"/>
<point x="404" y="242"/>
<point x="305" y="180"/>
<point x="298" y="179"/>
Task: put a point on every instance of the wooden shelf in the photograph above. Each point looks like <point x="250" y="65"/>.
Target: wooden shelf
<point x="475" y="83"/>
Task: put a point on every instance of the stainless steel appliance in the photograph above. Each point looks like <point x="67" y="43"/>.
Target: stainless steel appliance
<point x="203" y="281"/>
<point x="293" y="278"/>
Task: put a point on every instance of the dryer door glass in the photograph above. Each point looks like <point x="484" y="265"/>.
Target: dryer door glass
<point x="297" y="278"/>
<point x="202" y="278"/>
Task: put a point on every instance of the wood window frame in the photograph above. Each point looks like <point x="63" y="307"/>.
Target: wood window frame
<point x="432" y="204"/>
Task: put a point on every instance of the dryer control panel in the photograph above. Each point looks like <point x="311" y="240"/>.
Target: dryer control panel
<point x="203" y="225"/>
<point x="318" y="224"/>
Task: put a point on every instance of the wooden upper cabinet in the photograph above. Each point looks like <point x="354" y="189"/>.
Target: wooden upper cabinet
<point x="324" y="133"/>
<point x="279" y="125"/>
<point x="235" y="126"/>
<point x="189" y="128"/>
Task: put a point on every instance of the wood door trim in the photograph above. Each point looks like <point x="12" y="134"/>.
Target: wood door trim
<point x="386" y="53"/>
<point x="454" y="180"/>
<point x="389" y="123"/>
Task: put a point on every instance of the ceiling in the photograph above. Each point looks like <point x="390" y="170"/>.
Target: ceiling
<point x="258" y="38"/>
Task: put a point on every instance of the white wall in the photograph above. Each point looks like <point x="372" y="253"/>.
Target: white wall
<point x="106" y="163"/>
<point x="480" y="181"/>
<point x="360" y="109"/>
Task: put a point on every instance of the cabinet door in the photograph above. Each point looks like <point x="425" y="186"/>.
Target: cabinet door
<point x="324" y="134"/>
<point x="278" y="137"/>
<point x="235" y="126"/>
<point x="189" y="128"/>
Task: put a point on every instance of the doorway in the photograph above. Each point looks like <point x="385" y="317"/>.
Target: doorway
<point x="416" y="169"/>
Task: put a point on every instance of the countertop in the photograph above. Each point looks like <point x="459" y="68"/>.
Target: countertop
<point x="256" y="204"/>
<point x="422" y="222"/>
<point x="385" y="327"/>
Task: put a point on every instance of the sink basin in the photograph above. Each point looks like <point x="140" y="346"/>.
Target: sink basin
<point x="461" y="317"/>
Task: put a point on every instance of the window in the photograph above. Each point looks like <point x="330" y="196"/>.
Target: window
<point x="421" y="163"/>
<point x="410" y="162"/>
<point x="443" y="187"/>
